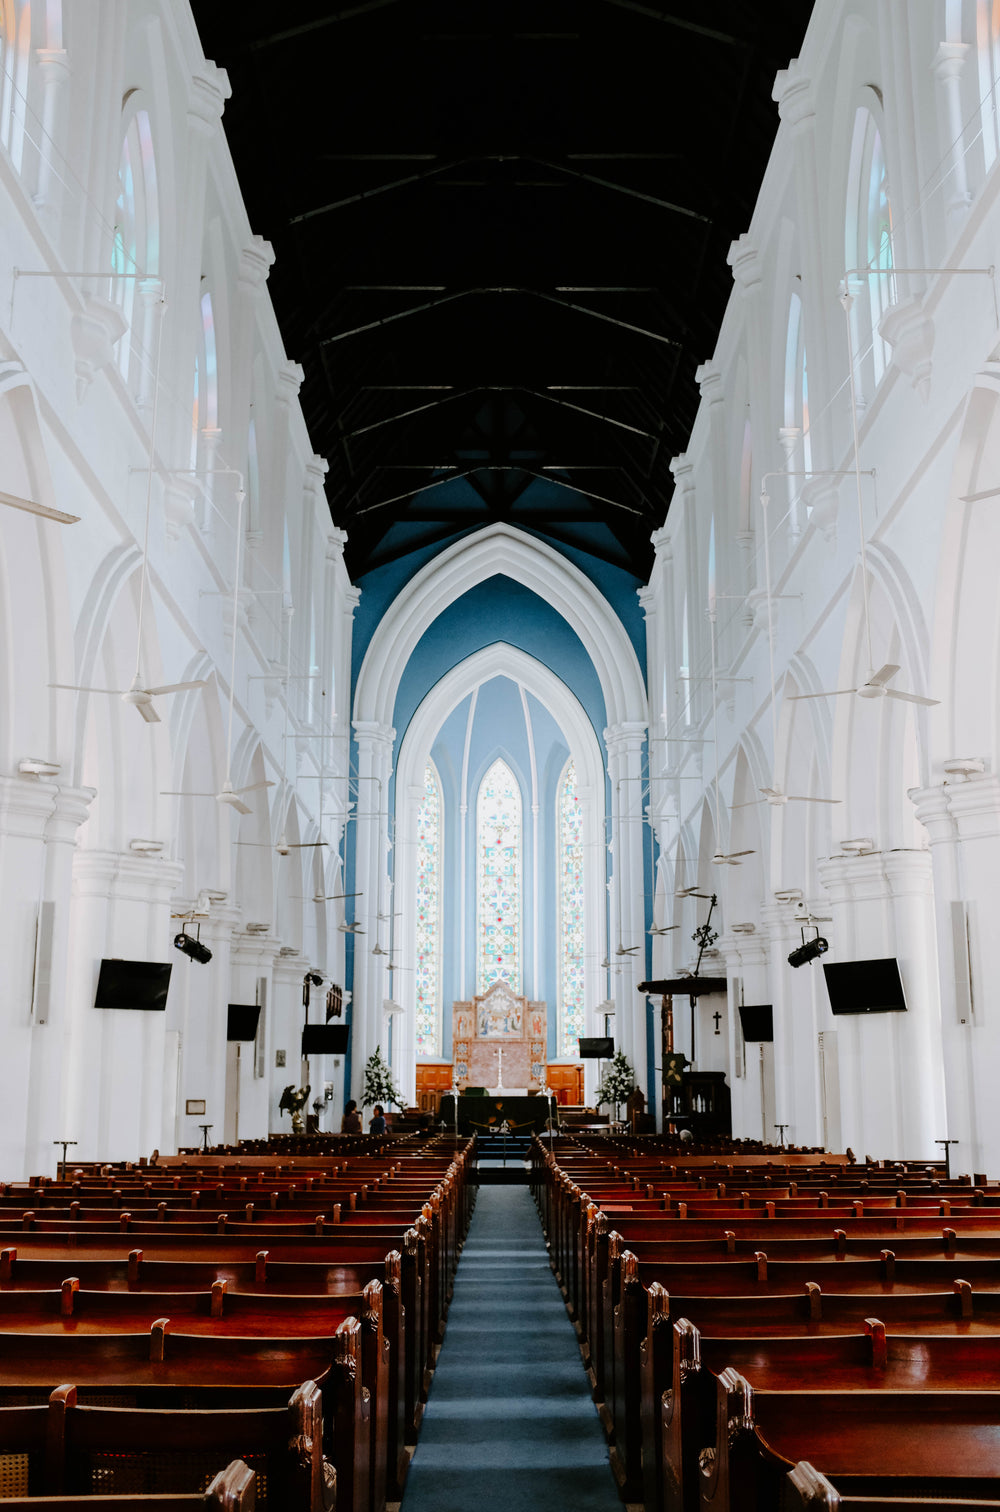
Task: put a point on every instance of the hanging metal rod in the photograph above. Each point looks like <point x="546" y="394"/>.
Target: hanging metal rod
<point x="367" y="194"/>
<point x="603" y="183"/>
<point x="564" y="304"/>
<point x="405" y="414"/>
<point x="593" y="414"/>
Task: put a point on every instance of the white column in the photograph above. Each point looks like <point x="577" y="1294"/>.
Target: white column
<point x="624" y="744"/>
<point x="287" y="1019"/>
<point x="53" y="66"/>
<point x="747" y="959"/>
<point x="38" y="826"/>
<point x="796" y="1099"/>
<point x="114" y="1092"/>
<point x="958" y="1041"/>
<point x="370" y="983"/>
<point x="948" y="64"/>
<point x="199" y="997"/>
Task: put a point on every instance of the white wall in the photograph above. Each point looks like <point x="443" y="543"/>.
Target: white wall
<point x="96" y="379"/>
<point x="887" y="1085"/>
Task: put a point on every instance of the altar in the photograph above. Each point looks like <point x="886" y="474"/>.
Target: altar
<point x="487" y="1114"/>
<point x="499" y="1043"/>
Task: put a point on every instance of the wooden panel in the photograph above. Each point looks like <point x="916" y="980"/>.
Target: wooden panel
<point x="567" y="1084"/>
<point x="433" y="1078"/>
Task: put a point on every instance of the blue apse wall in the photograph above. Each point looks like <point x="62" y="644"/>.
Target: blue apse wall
<point x="499" y="728"/>
<point x="499" y="609"/>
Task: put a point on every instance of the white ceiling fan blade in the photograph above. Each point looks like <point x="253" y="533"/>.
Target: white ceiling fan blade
<point x="253" y="787"/>
<point x="912" y="698"/>
<point x="176" y="687"/>
<point x="14" y="501"/>
<point x="795" y="798"/>
<point x="833" y="693"/>
<point x="148" y="712"/>
<point x="882" y="676"/>
<point x="731" y="855"/>
<point x="333" y="897"/>
<point x="173" y="793"/>
<point x="658" y="929"/>
<point x="752" y="803"/>
<point x="231" y="801"/>
<point x="75" y="688"/>
<point x="304" y="845"/>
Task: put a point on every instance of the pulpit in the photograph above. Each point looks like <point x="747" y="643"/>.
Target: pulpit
<point x="499" y="1042"/>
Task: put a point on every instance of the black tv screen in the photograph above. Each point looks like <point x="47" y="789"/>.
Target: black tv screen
<point x="133" y="984"/>
<point x="596" y="1049"/>
<point x="757" y="1023"/>
<point x="241" y="1023"/>
<point x="865" y="986"/>
<point x="325" y="1039"/>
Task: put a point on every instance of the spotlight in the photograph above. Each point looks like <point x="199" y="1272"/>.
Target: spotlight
<point x="809" y="950"/>
<point x="192" y="947"/>
<point x="314" y="978"/>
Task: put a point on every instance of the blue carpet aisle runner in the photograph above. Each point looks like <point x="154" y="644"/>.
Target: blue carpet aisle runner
<point x="510" y="1425"/>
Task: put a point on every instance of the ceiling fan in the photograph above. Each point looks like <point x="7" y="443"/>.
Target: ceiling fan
<point x="281" y="845"/>
<point x="350" y="929"/>
<point x="229" y="795"/>
<point x="774" y="795"/>
<point x="690" y="892"/>
<point x="624" y="950"/>
<point x="333" y="897"/>
<point x="661" y="929"/>
<point x="875" y="687"/>
<point x="135" y="694"/>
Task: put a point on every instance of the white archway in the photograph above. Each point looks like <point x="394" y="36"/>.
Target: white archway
<point x="498" y="660"/>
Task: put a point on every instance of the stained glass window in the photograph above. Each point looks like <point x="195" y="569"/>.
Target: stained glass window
<point x="429" y="852"/>
<point x="498" y="834"/>
<point x="569" y="821"/>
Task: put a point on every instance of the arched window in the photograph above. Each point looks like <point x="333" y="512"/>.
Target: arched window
<point x="868" y="230"/>
<point x="498" y="853"/>
<point x="988" y="59"/>
<point x="205" y="408"/>
<point x="797" y="379"/>
<point x="136" y="246"/>
<point x="15" y="50"/>
<point x="430" y="849"/>
<point x="569" y="827"/>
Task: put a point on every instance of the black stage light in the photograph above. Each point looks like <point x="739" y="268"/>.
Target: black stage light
<point x="193" y="948"/>
<point x="315" y="978"/>
<point x="808" y="951"/>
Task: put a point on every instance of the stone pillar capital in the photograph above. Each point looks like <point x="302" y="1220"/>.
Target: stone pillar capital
<point x="374" y="740"/>
<point x="950" y="59"/>
<point x="208" y="91"/>
<point x="290" y="377"/>
<point x="255" y="263"/>
<point x="709" y="380"/>
<point x="744" y="259"/>
<point x="792" y="92"/>
<point x="625" y="739"/>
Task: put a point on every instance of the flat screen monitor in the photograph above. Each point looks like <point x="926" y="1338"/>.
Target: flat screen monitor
<point x="865" y="986"/>
<point x="242" y="1021"/>
<point x="757" y="1023"/>
<point x="133" y="984"/>
<point x="599" y="1048"/>
<point x="325" y="1039"/>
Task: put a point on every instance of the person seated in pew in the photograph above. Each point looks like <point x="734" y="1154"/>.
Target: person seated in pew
<point x="351" y="1121"/>
<point x="378" y="1124"/>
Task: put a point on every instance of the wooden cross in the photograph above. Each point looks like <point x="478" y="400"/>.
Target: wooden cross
<point x="717" y="1016"/>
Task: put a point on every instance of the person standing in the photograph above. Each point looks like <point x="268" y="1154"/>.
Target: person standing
<point x="351" y="1121"/>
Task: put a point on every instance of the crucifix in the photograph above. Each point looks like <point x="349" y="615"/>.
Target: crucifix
<point x="717" y="1016"/>
<point x="499" y="1068"/>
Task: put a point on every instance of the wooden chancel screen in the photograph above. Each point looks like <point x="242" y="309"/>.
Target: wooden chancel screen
<point x="499" y="1021"/>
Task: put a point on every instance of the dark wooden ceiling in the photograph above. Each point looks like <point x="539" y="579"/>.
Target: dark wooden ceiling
<point x="500" y="230"/>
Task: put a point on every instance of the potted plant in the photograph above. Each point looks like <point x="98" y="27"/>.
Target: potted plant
<point x="379" y="1086"/>
<point x="616" y="1083"/>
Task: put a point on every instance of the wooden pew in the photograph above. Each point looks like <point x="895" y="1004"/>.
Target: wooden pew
<point x="806" y="1490"/>
<point x="150" y="1370"/>
<point x="232" y="1490"/>
<point x="868" y="1443"/>
<point x="69" y="1449"/>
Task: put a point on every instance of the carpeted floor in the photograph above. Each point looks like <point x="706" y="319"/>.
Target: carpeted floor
<point x="510" y="1425"/>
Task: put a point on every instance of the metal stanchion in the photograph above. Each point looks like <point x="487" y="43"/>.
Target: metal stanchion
<point x="204" y="1129"/>
<point x="947" y="1155"/>
<point x="65" y="1145"/>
